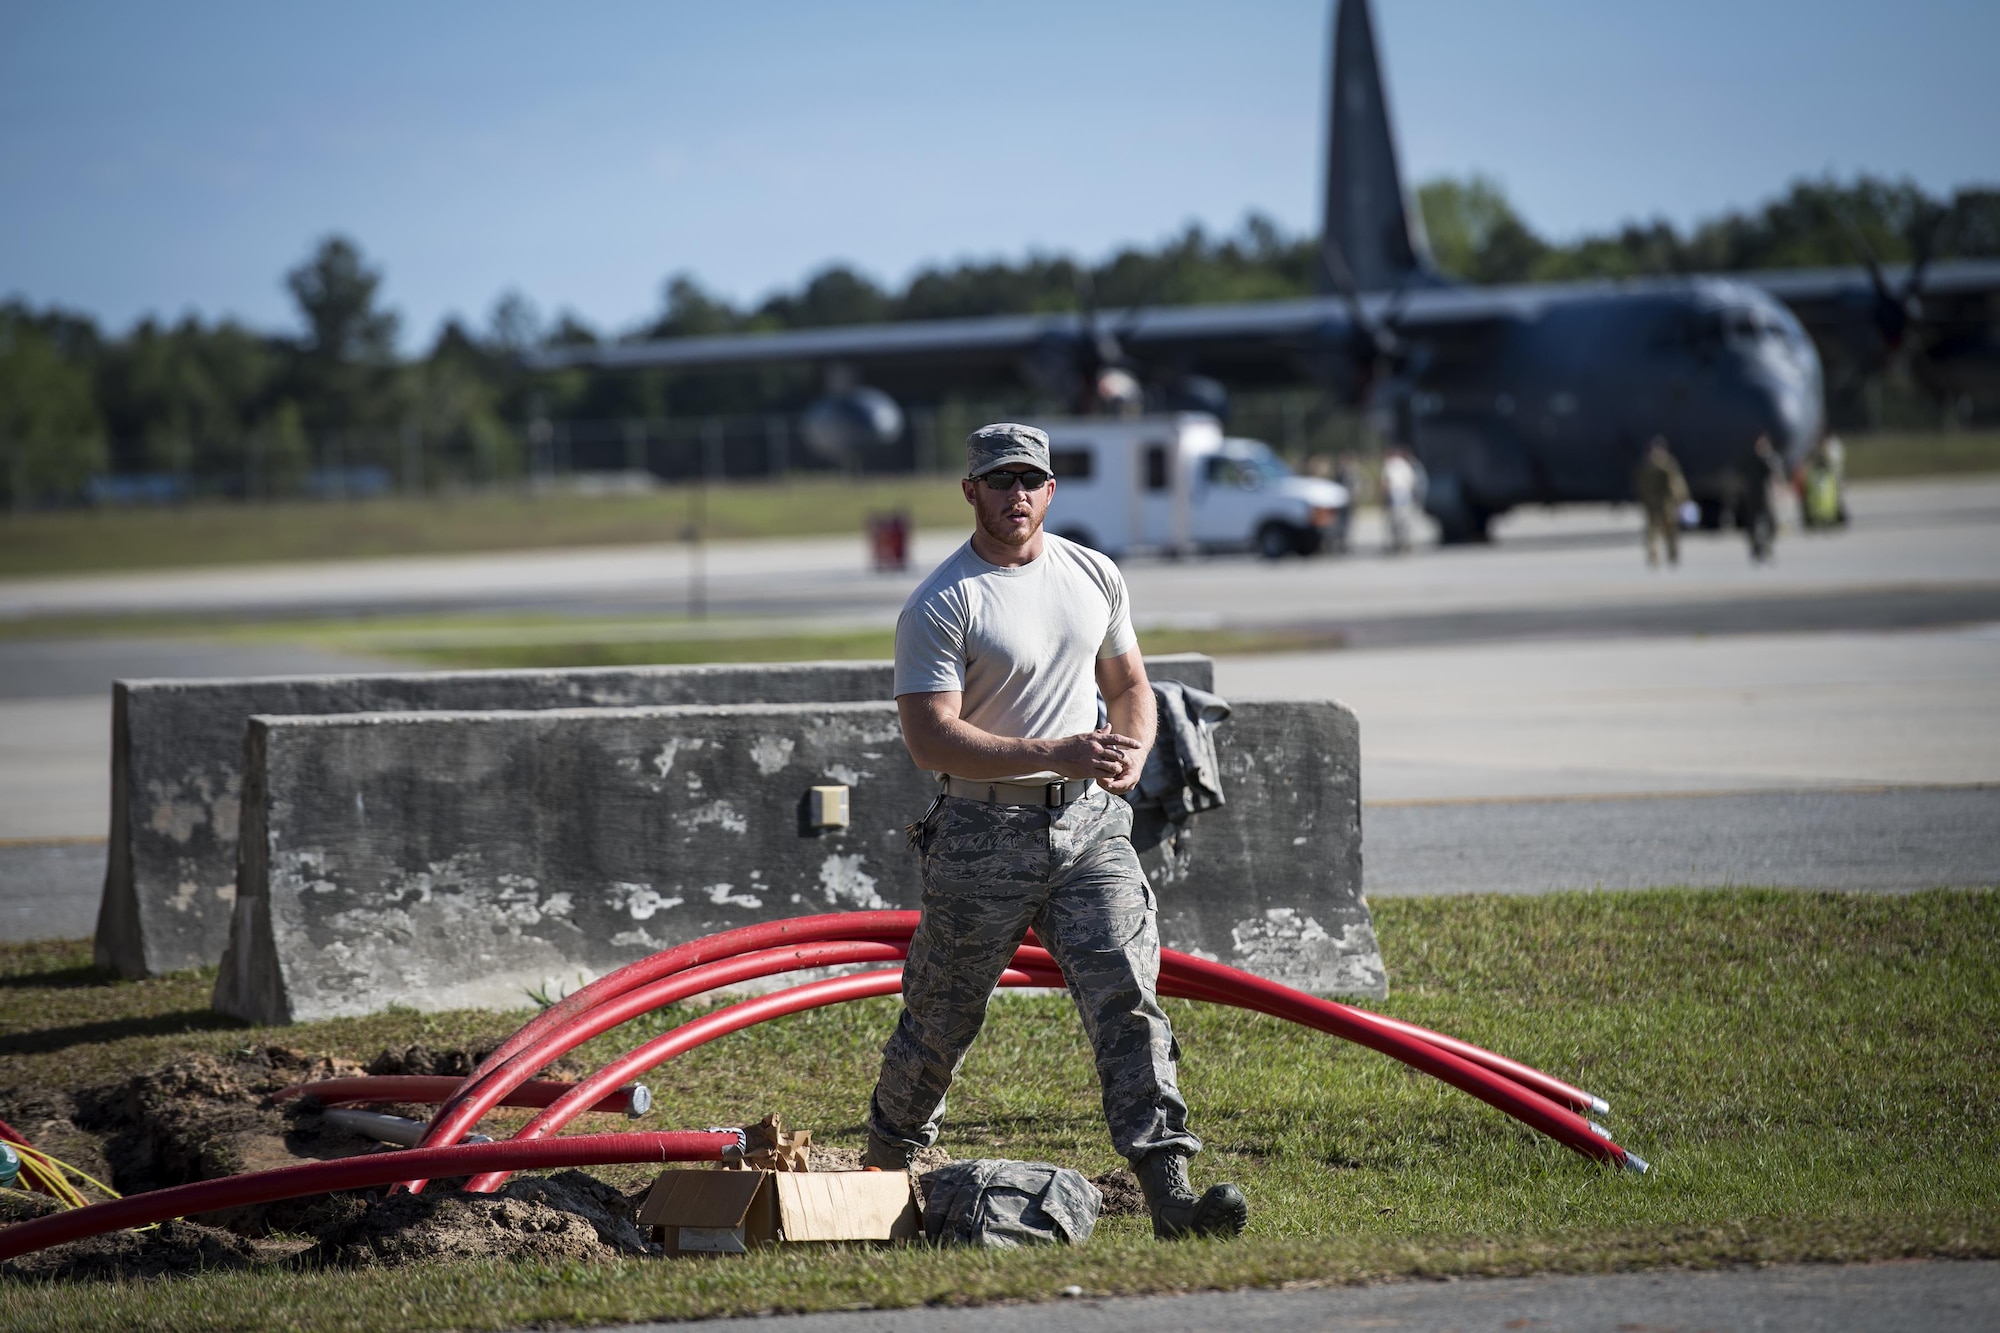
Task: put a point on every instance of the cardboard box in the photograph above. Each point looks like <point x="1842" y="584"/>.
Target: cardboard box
<point x="734" y="1212"/>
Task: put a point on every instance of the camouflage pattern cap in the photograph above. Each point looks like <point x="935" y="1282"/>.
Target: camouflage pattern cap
<point x="1005" y="442"/>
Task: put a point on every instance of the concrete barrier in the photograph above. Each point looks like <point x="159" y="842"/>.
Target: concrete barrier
<point x="443" y="860"/>
<point x="177" y="767"/>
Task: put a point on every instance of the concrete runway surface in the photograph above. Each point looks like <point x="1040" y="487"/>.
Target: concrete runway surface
<point x="1861" y="1298"/>
<point x="1504" y="683"/>
<point x="1912" y="542"/>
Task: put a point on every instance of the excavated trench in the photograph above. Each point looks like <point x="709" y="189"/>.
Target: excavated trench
<point x="205" y="1117"/>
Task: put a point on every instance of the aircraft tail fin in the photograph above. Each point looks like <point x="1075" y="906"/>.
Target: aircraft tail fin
<point x="1369" y="219"/>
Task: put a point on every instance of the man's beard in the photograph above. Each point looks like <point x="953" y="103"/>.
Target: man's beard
<point x="1000" y="528"/>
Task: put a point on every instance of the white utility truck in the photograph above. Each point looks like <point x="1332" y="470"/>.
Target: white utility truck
<point x="1176" y="484"/>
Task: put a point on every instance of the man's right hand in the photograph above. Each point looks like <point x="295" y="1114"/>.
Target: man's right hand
<point x="1100" y="754"/>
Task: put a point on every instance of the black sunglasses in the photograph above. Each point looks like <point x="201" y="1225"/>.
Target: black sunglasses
<point x="1031" y="479"/>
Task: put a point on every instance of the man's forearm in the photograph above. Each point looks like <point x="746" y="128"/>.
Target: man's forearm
<point x="957" y="747"/>
<point x="1132" y="713"/>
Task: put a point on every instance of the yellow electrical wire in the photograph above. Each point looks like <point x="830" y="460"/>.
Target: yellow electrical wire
<point x="48" y="1171"/>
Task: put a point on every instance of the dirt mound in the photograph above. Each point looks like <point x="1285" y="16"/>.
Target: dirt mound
<point x="170" y="1249"/>
<point x="570" y="1215"/>
<point x="18" y="1205"/>
<point x="206" y="1117"/>
<point x="423" y="1060"/>
<point x="1122" y="1195"/>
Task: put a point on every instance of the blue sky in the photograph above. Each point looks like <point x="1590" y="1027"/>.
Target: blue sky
<point x="171" y="158"/>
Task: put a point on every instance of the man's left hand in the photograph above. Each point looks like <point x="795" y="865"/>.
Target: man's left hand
<point x="1131" y="765"/>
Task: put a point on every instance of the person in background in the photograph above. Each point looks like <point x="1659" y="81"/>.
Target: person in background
<point x="1822" y="485"/>
<point x="1662" y="490"/>
<point x="1759" y="517"/>
<point x="1346" y="475"/>
<point x="1402" y="493"/>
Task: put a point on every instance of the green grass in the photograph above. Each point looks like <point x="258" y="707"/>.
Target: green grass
<point x="1814" y="1077"/>
<point x="1930" y="454"/>
<point x="215" y="533"/>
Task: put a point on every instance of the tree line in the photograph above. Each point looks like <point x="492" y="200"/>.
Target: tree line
<point x="257" y="413"/>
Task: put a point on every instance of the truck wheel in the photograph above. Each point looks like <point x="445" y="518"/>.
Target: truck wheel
<point x="1275" y="540"/>
<point x="1464" y="524"/>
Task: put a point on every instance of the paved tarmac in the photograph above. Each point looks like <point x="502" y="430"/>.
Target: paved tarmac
<point x="1915" y="546"/>
<point x="1506" y="680"/>
<point x="1885" y="839"/>
<point x="1861" y="1298"/>
<point x="1635" y="715"/>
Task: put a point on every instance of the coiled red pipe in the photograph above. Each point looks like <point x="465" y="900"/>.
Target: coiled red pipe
<point x="417" y="1088"/>
<point x="347" y="1173"/>
<point x="1175" y="984"/>
<point x="466" y="1109"/>
<point x="707" y="949"/>
<point x="458" y="1115"/>
<point x="1511" y="1087"/>
<point x="1213" y="982"/>
<point x="881" y="926"/>
<point x="1524" y="1104"/>
<point x="700" y="1031"/>
<point x="1549" y="1104"/>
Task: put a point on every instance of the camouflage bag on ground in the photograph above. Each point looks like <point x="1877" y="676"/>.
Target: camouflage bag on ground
<point x="1002" y="1205"/>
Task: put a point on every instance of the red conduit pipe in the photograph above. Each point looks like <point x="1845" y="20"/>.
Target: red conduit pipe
<point x="1035" y="968"/>
<point x="699" y="1031"/>
<point x="1181" y="973"/>
<point x="709" y="948"/>
<point x="347" y="1173"/>
<point x="1395" y="1036"/>
<point x="1524" y="1104"/>
<point x="1176" y="986"/>
<point x="899" y="925"/>
<point x="417" y="1088"/>
<point x="458" y="1115"/>
<point x="1553" y="1088"/>
<point x="1565" y="1096"/>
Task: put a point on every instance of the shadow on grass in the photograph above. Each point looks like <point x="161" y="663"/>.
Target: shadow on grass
<point x="61" y="978"/>
<point x="82" y="1034"/>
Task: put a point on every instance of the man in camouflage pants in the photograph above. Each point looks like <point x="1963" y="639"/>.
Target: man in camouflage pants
<point x="1001" y="655"/>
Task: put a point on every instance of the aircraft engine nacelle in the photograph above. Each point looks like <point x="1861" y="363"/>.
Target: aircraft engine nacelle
<point x="845" y="427"/>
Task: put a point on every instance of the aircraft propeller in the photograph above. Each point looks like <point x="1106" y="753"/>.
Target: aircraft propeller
<point x="1380" y="358"/>
<point x="1899" y="316"/>
<point x="1107" y="375"/>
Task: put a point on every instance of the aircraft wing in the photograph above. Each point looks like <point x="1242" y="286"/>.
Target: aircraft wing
<point x="1248" y="342"/>
<point x="1808" y="289"/>
<point x="1256" y="342"/>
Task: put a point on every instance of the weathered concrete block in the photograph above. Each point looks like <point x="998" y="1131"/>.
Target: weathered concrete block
<point x="177" y="767"/>
<point x="442" y="860"/>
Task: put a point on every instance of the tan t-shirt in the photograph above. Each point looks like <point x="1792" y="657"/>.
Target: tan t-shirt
<point x="1021" y="643"/>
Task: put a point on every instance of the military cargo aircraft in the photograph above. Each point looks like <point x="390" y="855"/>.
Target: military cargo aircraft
<point x="1543" y="393"/>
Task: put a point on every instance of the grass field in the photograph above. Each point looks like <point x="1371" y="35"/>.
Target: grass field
<point x="1956" y="453"/>
<point x="220" y="533"/>
<point x="1814" y="1077"/>
<point x="216" y="533"/>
